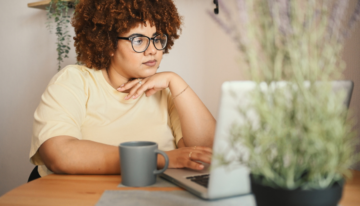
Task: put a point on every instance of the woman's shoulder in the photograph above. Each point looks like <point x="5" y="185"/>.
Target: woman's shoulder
<point x="77" y="74"/>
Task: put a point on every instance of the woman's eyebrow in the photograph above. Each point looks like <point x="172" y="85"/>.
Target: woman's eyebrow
<point x="136" y="34"/>
<point x="139" y="34"/>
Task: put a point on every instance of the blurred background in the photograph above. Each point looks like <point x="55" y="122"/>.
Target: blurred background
<point x="204" y="56"/>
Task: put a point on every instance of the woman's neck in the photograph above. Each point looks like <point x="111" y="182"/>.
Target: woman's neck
<point x="114" y="78"/>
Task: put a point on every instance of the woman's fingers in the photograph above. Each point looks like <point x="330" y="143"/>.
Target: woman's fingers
<point x="146" y="87"/>
<point x="195" y="154"/>
<point x="137" y="87"/>
<point x="136" y="91"/>
<point x="194" y="165"/>
<point x="188" y="157"/>
<point x="139" y="91"/>
<point x="132" y="92"/>
<point x="134" y="86"/>
<point x="129" y="85"/>
<point x="150" y="92"/>
<point x="203" y="157"/>
<point x="149" y="85"/>
<point x="205" y="149"/>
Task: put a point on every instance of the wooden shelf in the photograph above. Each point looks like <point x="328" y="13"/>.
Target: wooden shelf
<point x="42" y="4"/>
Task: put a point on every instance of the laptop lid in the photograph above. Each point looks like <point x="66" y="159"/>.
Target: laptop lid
<point x="224" y="181"/>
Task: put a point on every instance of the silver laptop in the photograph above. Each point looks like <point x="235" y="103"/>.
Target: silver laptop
<point x="216" y="181"/>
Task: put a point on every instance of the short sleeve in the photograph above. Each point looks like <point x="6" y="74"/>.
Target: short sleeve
<point x="174" y="118"/>
<point x="61" y="110"/>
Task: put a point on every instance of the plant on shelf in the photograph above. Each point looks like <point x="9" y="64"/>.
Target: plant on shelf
<point x="298" y="138"/>
<point x="60" y="12"/>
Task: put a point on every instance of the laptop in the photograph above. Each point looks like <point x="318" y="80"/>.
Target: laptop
<point x="216" y="181"/>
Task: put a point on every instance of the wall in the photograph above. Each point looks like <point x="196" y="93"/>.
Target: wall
<point x="204" y="56"/>
<point x="351" y="56"/>
<point x="27" y="54"/>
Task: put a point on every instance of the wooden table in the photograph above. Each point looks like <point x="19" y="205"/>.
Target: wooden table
<point x="87" y="190"/>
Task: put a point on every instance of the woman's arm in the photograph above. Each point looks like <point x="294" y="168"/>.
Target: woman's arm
<point x="68" y="155"/>
<point x="197" y="123"/>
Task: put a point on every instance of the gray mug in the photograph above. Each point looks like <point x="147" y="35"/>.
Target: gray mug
<point x="138" y="161"/>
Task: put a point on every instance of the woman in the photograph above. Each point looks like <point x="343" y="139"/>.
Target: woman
<point x="117" y="96"/>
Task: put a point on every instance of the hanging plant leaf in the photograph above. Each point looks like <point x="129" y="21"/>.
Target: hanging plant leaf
<point x="58" y="12"/>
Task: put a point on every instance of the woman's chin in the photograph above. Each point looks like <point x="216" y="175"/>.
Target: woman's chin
<point x="149" y="72"/>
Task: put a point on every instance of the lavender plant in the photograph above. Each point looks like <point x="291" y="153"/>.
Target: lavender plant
<point x="299" y="137"/>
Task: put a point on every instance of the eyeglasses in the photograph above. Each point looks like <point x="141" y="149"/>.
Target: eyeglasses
<point x="140" y="43"/>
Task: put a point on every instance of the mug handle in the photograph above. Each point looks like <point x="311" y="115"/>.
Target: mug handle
<point x="156" y="172"/>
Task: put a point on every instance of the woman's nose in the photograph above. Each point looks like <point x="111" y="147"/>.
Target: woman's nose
<point x="151" y="50"/>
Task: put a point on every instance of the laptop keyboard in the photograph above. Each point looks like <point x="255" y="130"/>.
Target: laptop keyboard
<point x="202" y="180"/>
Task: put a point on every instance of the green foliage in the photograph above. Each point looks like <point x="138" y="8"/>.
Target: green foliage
<point x="299" y="137"/>
<point x="58" y="11"/>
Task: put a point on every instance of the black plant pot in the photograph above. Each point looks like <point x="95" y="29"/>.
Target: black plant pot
<point x="268" y="196"/>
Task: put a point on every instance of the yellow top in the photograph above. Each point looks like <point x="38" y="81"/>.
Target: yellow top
<point x="79" y="102"/>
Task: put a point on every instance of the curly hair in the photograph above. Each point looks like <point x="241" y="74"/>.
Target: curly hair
<point x="97" y="24"/>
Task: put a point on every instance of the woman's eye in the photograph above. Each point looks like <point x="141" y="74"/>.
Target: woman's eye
<point x="137" y="41"/>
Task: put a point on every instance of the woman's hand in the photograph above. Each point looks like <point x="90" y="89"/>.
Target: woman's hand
<point x="150" y="85"/>
<point x="186" y="157"/>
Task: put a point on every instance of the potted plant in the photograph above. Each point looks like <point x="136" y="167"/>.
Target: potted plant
<point x="60" y="12"/>
<point x="299" y="144"/>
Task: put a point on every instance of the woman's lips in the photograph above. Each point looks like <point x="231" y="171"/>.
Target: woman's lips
<point x="150" y="63"/>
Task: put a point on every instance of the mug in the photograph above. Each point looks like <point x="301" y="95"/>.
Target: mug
<point x="138" y="160"/>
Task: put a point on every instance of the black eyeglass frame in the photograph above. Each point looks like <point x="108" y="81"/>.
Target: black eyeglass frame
<point x="150" y="39"/>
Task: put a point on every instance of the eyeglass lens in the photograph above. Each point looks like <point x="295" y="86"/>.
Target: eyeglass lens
<point x="141" y="43"/>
